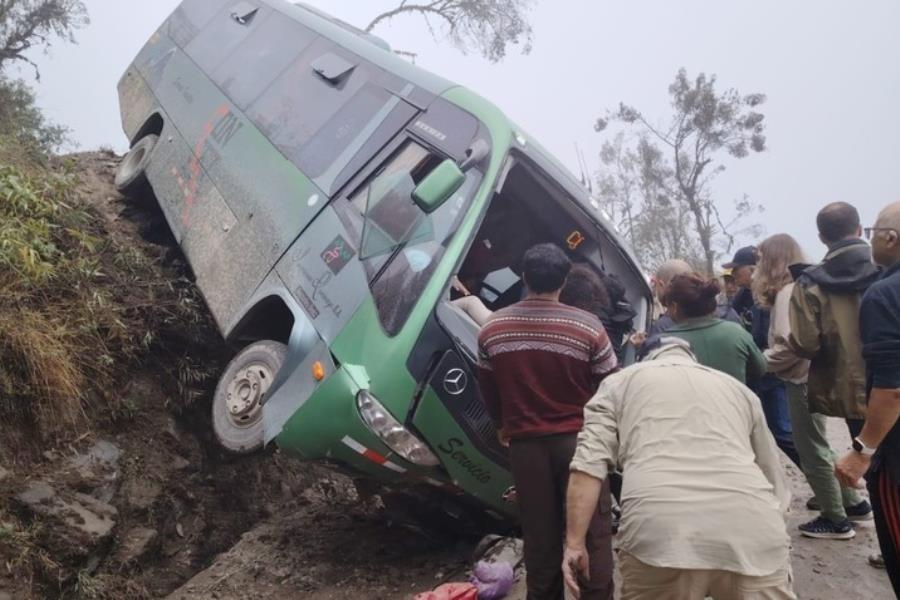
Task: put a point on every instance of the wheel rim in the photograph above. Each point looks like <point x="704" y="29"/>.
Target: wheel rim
<point x="133" y="160"/>
<point x="245" y="393"/>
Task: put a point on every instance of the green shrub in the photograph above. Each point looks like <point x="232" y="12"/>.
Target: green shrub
<point x="23" y="125"/>
<point x="79" y="307"/>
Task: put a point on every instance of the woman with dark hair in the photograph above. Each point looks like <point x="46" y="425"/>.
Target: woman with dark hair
<point x="721" y="345"/>
<point x="604" y="296"/>
<point x="585" y="290"/>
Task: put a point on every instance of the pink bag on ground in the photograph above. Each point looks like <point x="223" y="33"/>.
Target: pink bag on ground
<point x="451" y="591"/>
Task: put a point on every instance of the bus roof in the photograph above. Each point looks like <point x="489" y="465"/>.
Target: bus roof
<point x="366" y="46"/>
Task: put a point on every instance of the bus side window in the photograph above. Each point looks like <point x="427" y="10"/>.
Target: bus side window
<point x="300" y="102"/>
<point x="269" y="50"/>
<point x="190" y="17"/>
<point x="216" y="42"/>
<point x="370" y="119"/>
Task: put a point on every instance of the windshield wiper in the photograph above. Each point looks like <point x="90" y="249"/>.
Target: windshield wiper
<point x="387" y="263"/>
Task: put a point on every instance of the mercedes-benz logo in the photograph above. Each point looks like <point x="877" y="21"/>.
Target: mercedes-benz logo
<point x="455" y="382"/>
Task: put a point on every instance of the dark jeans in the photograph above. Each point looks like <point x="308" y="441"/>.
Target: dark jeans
<point x="885" y="497"/>
<point x="540" y="468"/>
<point x="773" y="395"/>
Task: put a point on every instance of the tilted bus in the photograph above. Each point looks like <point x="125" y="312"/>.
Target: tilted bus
<point x="326" y="193"/>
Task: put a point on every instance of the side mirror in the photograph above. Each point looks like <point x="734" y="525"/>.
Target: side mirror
<point x="438" y="186"/>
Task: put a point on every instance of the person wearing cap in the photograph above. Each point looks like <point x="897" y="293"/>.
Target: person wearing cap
<point x="742" y="267"/>
<point x="755" y="318"/>
<point x="704" y="497"/>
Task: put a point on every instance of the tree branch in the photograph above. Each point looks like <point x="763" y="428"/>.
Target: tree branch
<point x="407" y="8"/>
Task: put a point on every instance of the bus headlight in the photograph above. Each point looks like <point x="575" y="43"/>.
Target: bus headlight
<point x="395" y="436"/>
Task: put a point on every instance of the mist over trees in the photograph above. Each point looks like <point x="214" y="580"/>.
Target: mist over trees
<point x="27" y="26"/>
<point x="488" y="27"/>
<point x="656" y="181"/>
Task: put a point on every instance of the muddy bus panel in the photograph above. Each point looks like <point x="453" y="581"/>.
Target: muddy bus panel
<point x="326" y="193"/>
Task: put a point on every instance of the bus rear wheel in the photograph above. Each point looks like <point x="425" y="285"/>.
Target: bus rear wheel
<point x="238" y="401"/>
<point x="131" y="176"/>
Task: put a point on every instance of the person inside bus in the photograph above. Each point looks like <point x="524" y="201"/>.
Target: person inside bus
<point x="494" y="248"/>
<point x="584" y="289"/>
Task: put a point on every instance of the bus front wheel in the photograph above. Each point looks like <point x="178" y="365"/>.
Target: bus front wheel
<point x="240" y="394"/>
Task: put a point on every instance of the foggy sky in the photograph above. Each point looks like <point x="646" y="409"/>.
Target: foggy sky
<point x="829" y="69"/>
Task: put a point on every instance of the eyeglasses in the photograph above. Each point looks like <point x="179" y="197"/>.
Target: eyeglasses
<point x="870" y="231"/>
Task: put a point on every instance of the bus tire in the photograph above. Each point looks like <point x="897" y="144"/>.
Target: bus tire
<point x="237" y="410"/>
<point x="131" y="176"/>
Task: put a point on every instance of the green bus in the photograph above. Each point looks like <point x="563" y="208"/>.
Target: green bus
<point x="327" y="195"/>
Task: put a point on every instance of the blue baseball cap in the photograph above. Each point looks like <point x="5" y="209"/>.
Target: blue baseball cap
<point x="744" y="257"/>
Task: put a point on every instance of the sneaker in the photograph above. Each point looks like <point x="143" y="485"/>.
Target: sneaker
<point x="876" y="561"/>
<point x="822" y="528"/>
<point x="813" y="505"/>
<point x="860" y="512"/>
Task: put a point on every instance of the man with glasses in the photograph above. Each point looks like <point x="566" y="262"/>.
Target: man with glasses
<point x="871" y="232"/>
<point x="876" y="449"/>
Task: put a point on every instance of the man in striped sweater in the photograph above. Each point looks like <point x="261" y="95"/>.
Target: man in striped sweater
<point x="539" y="363"/>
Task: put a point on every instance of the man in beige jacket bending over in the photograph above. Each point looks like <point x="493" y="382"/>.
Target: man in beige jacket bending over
<point x="704" y="494"/>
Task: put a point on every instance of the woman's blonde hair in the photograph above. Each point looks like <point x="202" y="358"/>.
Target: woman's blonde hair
<point x="776" y="254"/>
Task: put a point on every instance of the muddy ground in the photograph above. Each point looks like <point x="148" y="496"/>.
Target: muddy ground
<point x="152" y="508"/>
<point x="823" y="570"/>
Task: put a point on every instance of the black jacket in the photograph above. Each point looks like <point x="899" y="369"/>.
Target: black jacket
<point x="880" y="330"/>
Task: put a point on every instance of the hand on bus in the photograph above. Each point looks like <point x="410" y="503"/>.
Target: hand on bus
<point x="457" y="285"/>
<point x="638" y="338"/>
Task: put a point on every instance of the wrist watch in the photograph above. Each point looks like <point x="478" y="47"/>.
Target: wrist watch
<point x="862" y="448"/>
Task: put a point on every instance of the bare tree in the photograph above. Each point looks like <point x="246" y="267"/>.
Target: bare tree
<point x="633" y="189"/>
<point x="29" y="24"/>
<point x="675" y="163"/>
<point x="488" y="27"/>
